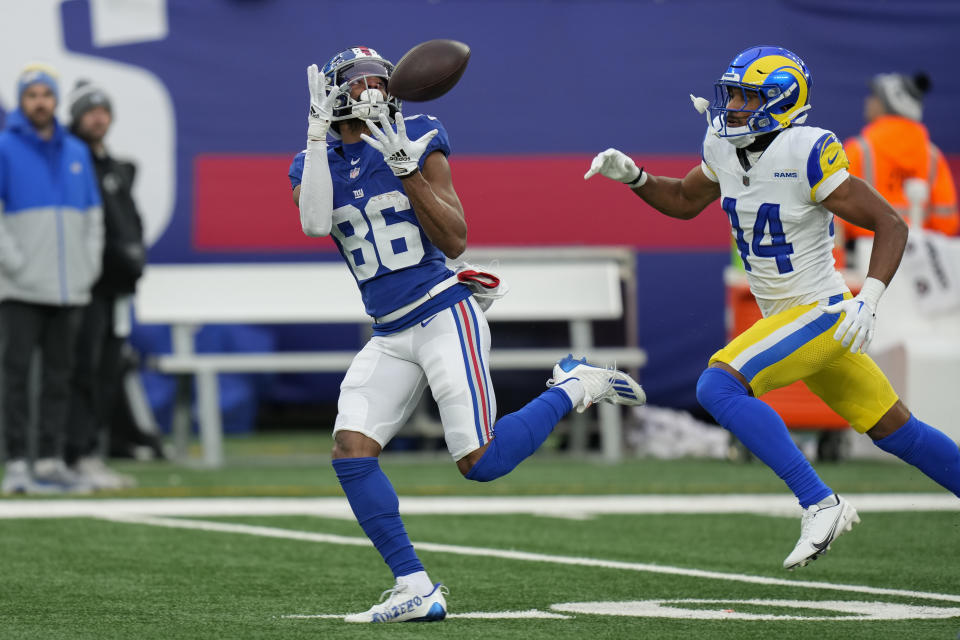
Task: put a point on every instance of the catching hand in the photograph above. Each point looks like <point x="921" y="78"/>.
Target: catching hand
<point x="322" y="99"/>
<point x="401" y="153"/>
<point x="615" y="165"/>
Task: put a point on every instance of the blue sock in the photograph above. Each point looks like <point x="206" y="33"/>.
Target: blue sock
<point x="761" y="431"/>
<point x="517" y="435"/>
<point x="928" y="449"/>
<point x="375" y="504"/>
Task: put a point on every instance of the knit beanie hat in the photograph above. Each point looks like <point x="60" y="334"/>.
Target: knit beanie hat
<point x="37" y="73"/>
<point x="902" y="95"/>
<point x="86" y="96"/>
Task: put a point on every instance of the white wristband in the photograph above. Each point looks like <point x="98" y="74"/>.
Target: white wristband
<point x="871" y="291"/>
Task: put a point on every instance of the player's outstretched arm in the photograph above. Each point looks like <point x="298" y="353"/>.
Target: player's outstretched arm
<point x="857" y="202"/>
<point x="430" y="190"/>
<point x="314" y="195"/>
<point x="438" y="206"/>
<point x="683" y="199"/>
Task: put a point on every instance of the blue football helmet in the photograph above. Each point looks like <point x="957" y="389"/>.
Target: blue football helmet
<point x="780" y="79"/>
<point x="349" y="67"/>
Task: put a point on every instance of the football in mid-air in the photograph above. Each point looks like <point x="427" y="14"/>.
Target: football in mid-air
<point x="429" y="70"/>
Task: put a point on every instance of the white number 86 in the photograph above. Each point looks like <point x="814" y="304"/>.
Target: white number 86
<point x="384" y="249"/>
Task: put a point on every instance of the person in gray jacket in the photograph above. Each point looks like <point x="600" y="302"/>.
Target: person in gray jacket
<point x="51" y="243"/>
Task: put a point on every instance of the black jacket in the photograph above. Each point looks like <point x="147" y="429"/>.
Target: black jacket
<point x="124" y="253"/>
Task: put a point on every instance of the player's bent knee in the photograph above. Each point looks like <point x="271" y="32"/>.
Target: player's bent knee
<point x="352" y="444"/>
<point x="716" y="388"/>
<point x="483" y="473"/>
<point x="896" y="417"/>
<point x="467" y="463"/>
<point x="487" y="463"/>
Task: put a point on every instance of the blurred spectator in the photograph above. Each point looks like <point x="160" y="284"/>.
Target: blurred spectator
<point x="51" y="239"/>
<point x="106" y="320"/>
<point x="895" y="146"/>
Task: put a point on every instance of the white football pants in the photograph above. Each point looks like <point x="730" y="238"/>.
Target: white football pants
<point x="450" y="352"/>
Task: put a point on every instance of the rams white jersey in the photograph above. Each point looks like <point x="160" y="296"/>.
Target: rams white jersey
<point x="784" y="235"/>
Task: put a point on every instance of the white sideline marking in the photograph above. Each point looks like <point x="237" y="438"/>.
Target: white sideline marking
<point x="272" y="532"/>
<point x="552" y="506"/>
<point x="477" y="615"/>
<point x="859" y="610"/>
<point x="509" y="615"/>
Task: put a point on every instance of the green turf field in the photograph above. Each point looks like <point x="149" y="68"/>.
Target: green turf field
<point x="245" y="576"/>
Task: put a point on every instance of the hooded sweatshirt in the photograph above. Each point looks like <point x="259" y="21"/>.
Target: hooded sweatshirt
<point x="51" y="220"/>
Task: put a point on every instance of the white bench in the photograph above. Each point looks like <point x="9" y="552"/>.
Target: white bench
<point x="577" y="286"/>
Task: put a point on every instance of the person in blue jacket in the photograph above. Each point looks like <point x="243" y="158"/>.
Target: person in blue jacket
<point x="51" y="243"/>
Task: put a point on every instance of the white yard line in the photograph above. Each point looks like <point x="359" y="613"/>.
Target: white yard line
<point x="509" y="615"/>
<point x="273" y="532"/>
<point x="552" y="506"/>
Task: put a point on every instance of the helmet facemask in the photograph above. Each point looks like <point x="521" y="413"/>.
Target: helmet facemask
<point x="370" y="103"/>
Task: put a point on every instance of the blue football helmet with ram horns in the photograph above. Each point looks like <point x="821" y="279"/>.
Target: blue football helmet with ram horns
<point x="352" y="66"/>
<point x="780" y="79"/>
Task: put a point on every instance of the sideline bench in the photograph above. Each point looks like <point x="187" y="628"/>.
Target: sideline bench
<point x="574" y="285"/>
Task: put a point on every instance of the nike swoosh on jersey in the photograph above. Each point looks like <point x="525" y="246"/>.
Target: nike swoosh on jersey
<point x="830" y="161"/>
<point x="355" y="161"/>
<point x="427" y="321"/>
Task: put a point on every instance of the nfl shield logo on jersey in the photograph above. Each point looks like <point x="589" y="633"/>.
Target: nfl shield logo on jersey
<point x="354" y="172"/>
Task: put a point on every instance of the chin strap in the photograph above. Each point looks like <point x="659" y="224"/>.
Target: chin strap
<point x="741" y="141"/>
<point x="801" y="115"/>
<point x="702" y="105"/>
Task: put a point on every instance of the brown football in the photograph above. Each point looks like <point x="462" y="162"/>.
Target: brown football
<point x="429" y="70"/>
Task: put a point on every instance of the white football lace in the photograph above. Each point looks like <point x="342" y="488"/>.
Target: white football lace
<point x="613" y="376"/>
<point x="397" y="588"/>
<point x="608" y="385"/>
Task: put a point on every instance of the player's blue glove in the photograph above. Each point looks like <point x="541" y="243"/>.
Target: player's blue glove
<point x="322" y="99"/>
<point x="618" y="166"/>
<point x="860" y="314"/>
<point x="401" y="153"/>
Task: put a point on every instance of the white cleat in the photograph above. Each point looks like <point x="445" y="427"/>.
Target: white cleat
<point x="820" y="526"/>
<point x="51" y="475"/>
<point x="16" y="478"/>
<point x="400" y="605"/>
<point x="599" y="384"/>
<point x="99" y="476"/>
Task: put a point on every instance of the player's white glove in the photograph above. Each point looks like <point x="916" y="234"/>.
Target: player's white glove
<point x="860" y="314"/>
<point x="322" y="99"/>
<point x="401" y="153"/>
<point x="618" y="166"/>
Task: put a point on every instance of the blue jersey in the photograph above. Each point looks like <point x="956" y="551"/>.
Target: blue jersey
<point x="377" y="231"/>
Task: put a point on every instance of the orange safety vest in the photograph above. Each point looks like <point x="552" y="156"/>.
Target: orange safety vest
<point x="888" y="151"/>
